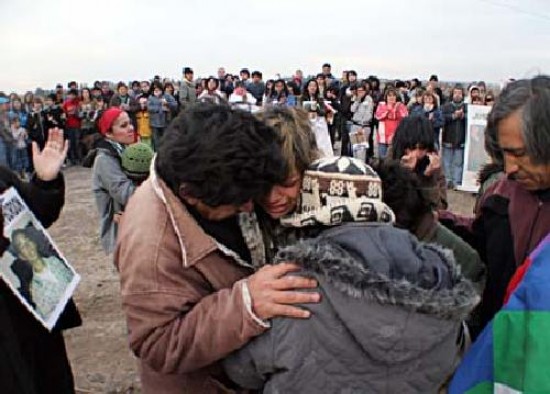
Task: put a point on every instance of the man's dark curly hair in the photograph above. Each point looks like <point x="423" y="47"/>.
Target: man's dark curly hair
<point x="219" y="155"/>
<point x="402" y="193"/>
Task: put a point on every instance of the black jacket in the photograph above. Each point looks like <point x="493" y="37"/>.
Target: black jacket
<point x="33" y="359"/>
<point x="454" y="130"/>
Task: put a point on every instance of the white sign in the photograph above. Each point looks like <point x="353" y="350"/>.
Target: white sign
<point x="32" y="266"/>
<point x="474" y="150"/>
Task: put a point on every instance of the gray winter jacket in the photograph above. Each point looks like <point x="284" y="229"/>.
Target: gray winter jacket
<point x="188" y="93"/>
<point x="375" y="330"/>
<point x="112" y="190"/>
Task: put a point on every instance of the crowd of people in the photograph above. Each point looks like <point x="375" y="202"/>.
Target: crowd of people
<point x="350" y="109"/>
<point x="253" y="258"/>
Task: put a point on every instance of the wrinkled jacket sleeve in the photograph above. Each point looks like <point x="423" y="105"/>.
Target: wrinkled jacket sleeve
<point x="251" y="366"/>
<point x="183" y="329"/>
<point x="45" y="199"/>
<point x="172" y="104"/>
<point x="113" y="179"/>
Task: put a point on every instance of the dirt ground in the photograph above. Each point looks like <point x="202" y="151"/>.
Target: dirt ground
<point x="100" y="357"/>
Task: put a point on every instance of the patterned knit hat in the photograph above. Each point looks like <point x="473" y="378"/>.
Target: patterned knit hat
<point x="337" y="190"/>
<point x="136" y="160"/>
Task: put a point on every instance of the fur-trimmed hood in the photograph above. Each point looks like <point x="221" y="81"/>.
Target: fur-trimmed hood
<point x="369" y="274"/>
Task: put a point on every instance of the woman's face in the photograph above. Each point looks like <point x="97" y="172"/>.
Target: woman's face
<point x="157" y="92"/>
<point x="279" y="87"/>
<point x="212" y="85"/>
<point x="85" y="94"/>
<point x="428" y="99"/>
<point x="361" y="92"/>
<point x="25" y="247"/>
<point x="282" y="199"/>
<point x="170" y="89"/>
<point x="122" y="130"/>
<point x="312" y="88"/>
<point x="17" y="105"/>
<point x="392" y="98"/>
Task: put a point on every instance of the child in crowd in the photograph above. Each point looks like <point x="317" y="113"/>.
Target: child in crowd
<point x="142" y="122"/>
<point x="392" y="309"/>
<point x="20" y="157"/>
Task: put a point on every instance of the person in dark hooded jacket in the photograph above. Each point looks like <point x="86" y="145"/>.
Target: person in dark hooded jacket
<point x="34" y="360"/>
<point x="392" y="308"/>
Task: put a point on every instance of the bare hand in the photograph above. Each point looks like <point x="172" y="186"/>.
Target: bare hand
<point x="48" y="162"/>
<point x="435" y="164"/>
<point x="271" y="292"/>
<point x="409" y="161"/>
<point x="117" y="217"/>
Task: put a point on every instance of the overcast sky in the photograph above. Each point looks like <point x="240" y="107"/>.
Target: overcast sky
<point x="45" y="42"/>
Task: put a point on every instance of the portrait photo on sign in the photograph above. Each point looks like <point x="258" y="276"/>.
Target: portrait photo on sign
<point x="32" y="266"/>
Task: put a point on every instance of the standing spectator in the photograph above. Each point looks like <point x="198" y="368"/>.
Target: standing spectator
<point x="433" y="84"/>
<point x="18" y="111"/>
<point x="256" y="87"/>
<point x="333" y="112"/>
<point x="212" y="92"/>
<point x="326" y="71"/>
<point x="298" y="78"/>
<point x="159" y="106"/>
<point x="389" y="113"/>
<point x="322" y="83"/>
<point x="53" y="114"/>
<point x="145" y="87"/>
<point x="88" y="116"/>
<point x="28" y="102"/>
<point x="20" y="158"/>
<point x="72" y="130"/>
<point x="362" y="110"/>
<point x="135" y="90"/>
<point x="106" y="92"/>
<point x="143" y="122"/>
<point x="454" y="137"/>
<point x="430" y="110"/>
<point x="245" y="76"/>
<point x="111" y="187"/>
<point x="36" y="124"/>
<point x="188" y="91"/>
<point x="293" y="94"/>
<point x="59" y="94"/>
<point x="124" y="101"/>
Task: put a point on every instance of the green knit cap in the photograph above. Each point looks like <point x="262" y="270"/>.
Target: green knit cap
<point x="136" y="158"/>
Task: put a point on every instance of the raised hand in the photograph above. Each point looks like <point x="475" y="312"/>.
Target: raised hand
<point x="48" y="162"/>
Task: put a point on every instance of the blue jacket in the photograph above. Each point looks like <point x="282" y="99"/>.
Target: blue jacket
<point x="158" y="117"/>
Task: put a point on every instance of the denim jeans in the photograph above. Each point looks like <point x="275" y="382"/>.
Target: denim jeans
<point x="158" y="132"/>
<point x="345" y="149"/>
<point x="453" y="161"/>
<point x="382" y="150"/>
<point x="73" y="135"/>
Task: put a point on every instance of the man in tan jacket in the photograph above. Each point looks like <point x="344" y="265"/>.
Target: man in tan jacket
<point x="189" y="289"/>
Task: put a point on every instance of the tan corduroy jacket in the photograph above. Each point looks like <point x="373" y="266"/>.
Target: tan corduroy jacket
<point x="184" y="295"/>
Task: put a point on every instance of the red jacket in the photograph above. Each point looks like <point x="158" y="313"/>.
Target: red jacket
<point x="70" y="107"/>
<point x="389" y="120"/>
